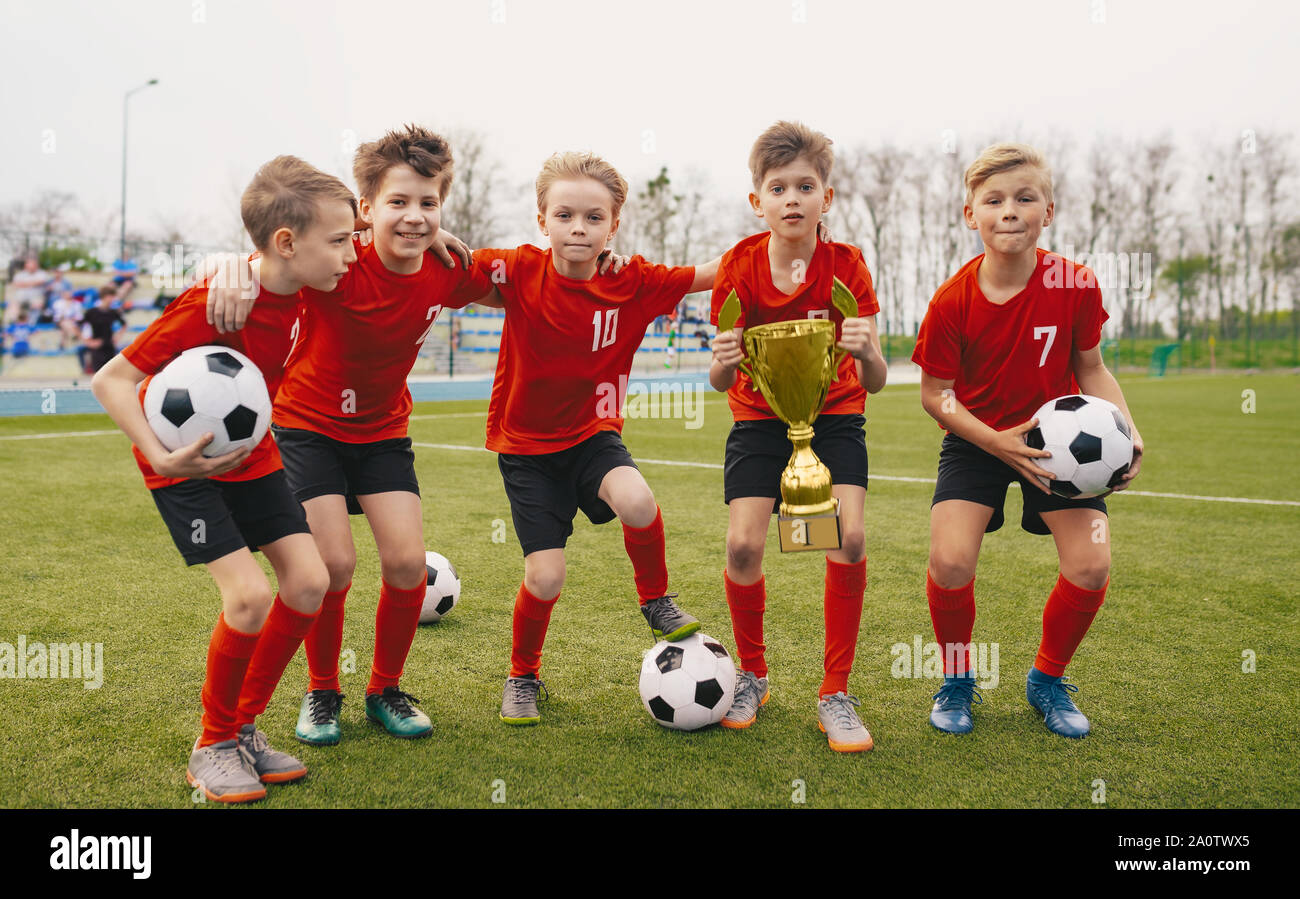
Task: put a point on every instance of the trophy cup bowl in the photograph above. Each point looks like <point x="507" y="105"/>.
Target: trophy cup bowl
<point x="792" y="364"/>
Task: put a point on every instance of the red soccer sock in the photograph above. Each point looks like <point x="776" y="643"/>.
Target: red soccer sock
<point x="324" y="641"/>
<point x="281" y="636"/>
<point x="1066" y="618"/>
<point x="532" y="617"/>
<point x="229" y="651"/>
<point x="953" y="615"/>
<point x="747" y="602"/>
<point x="842" y="612"/>
<point x="396" y="620"/>
<point x="645" y="547"/>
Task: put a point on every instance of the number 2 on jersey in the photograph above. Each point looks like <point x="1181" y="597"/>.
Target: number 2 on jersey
<point x="1050" y="332"/>
<point x="610" y="330"/>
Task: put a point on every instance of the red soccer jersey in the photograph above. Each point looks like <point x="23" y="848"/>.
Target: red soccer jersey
<point x="567" y="346"/>
<point x="1007" y="359"/>
<point x="746" y="269"/>
<point x="268" y="339"/>
<point x="348" y="380"/>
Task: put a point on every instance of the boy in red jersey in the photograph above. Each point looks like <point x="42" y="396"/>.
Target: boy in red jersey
<point x="554" y="418"/>
<point x="1002" y="337"/>
<point x="341" y="421"/>
<point x="217" y="508"/>
<point x="781" y="275"/>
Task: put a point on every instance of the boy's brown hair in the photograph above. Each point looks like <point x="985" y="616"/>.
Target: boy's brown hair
<point x="427" y="153"/>
<point x="999" y="158"/>
<point x="563" y="166"/>
<point x="286" y="193"/>
<point x="785" y="142"/>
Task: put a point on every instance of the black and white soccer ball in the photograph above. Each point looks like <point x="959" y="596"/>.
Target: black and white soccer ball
<point x="443" y="590"/>
<point x="1090" y="443"/>
<point x="688" y="684"/>
<point x="209" y="388"/>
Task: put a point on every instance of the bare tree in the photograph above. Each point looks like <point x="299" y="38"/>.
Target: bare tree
<point x="1275" y="168"/>
<point x="1154" y="183"/>
<point x="873" y="190"/>
<point x="1215" y="207"/>
<point x="473" y="210"/>
<point x="53" y="212"/>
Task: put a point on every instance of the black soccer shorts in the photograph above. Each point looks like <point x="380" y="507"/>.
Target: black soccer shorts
<point x="967" y="472"/>
<point x="758" y="451"/>
<point x="317" y="465"/>
<point x="209" y="519"/>
<point x="547" y="490"/>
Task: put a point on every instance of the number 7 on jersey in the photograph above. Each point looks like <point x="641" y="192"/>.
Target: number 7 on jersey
<point x="1050" y="332"/>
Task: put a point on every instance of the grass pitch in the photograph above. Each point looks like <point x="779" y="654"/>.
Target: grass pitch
<point x="1200" y="589"/>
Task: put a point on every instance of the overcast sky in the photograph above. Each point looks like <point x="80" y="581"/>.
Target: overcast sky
<point x="682" y="83"/>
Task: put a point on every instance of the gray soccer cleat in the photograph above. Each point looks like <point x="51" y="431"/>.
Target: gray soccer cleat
<point x="271" y="765"/>
<point x="838" y="718"/>
<point x="224" y="772"/>
<point x="751" y="692"/>
<point x="519" y="699"/>
<point x="667" y="622"/>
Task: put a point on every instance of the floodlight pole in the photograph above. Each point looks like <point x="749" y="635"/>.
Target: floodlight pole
<point x="121" y="248"/>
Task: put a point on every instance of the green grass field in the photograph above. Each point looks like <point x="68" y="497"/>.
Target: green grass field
<point x="85" y="557"/>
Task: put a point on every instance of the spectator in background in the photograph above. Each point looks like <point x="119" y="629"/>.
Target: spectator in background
<point x="98" y="324"/>
<point x="27" y="290"/>
<point x="56" y="287"/>
<point x="66" y="311"/>
<point x="125" y="273"/>
<point x="20" y="334"/>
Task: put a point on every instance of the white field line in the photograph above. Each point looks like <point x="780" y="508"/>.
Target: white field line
<point x="886" y="477"/>
<point x="59" y="434"/>
<point x="711" y="465"/>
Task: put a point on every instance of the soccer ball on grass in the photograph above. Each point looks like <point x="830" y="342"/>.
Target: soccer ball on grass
<point x="443" y="590"/>
<point x="688" y="684"/>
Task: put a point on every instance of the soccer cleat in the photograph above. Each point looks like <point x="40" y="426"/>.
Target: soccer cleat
<point x="396" y="711"/>
<point x="224" y="772"/>
<point x="951" y="712"/>
<point x="838" y="719"/>
<point x="519" y="699"/>
<point x="318" y="719"/>
<point x="271" y="765"/>
<point x="1051" y="696"/>
<point x="667" y="622"/>
<point x="751" y="692"/>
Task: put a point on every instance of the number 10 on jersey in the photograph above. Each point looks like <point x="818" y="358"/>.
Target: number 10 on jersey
<point x="604" y="326"/>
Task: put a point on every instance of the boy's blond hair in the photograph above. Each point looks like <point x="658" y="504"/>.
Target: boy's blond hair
<point x="427" y="153"/>
<point x="572" y="164"/>
<point x="287" y="193"/>
<point x="1003" y="157"/>
<point x="785" y="142"/>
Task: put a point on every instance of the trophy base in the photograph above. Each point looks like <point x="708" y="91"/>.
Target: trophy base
<point x="804" y="533"/>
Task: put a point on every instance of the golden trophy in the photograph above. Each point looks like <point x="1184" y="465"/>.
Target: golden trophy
<point x="792" y="363"/>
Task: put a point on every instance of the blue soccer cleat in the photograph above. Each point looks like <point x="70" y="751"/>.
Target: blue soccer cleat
<point x="951" y="713"/>
<point x="1051" y="696"/>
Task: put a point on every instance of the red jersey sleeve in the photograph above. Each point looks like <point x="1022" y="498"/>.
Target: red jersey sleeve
<point x="859" y="282"/>
<point x="183" y="325"/>
<point x="938" y="342"/>
<point x="723" y="284"/>
<point x="472" y="284"/>
<point x="1091" y="315"/>
<point x="495" y="267"/>
<point x="662" y="286"/>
